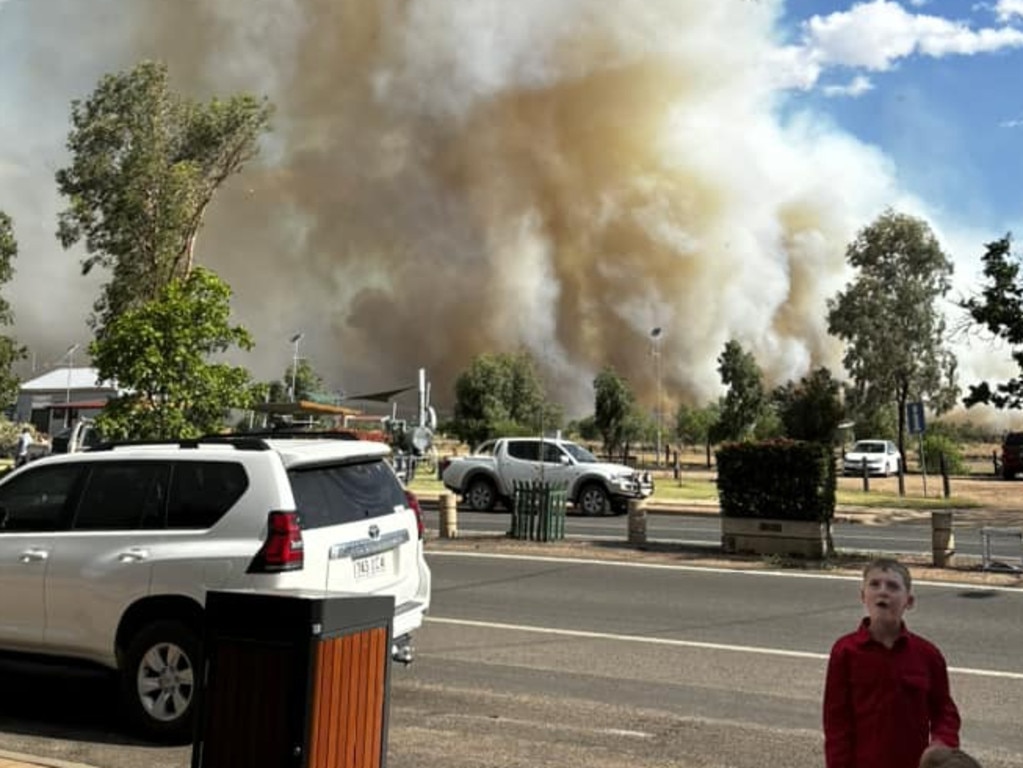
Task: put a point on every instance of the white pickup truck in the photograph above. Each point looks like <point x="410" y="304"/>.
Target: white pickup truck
<point x="487" y="476"/>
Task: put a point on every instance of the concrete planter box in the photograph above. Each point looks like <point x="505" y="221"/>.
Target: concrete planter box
<point x="767" y="536"/>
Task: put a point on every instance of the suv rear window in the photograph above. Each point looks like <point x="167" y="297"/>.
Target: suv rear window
<point x="345" y="493"/>
<point x="203" y="491"/>
<point x="1014" y="438"/>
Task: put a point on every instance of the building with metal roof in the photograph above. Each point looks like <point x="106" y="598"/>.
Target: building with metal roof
<point x="55" y="399"/>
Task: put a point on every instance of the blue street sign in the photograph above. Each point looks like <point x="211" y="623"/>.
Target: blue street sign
<point x="915" y="418"/>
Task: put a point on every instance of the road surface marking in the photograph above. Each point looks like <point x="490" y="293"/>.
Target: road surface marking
<point x="587" y="635"/>
<point x="708" y="569"/>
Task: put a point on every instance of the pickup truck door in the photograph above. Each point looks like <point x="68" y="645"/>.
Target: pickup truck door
<point x="520" y="463"/>
<point x="556" y="466"/>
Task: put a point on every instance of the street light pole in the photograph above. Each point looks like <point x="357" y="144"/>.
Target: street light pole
<point x="294" y="363"/>
<point x="655" y="334"/>
<point x="70" y="354"/>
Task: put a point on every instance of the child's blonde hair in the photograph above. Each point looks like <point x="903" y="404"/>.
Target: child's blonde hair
<point x="890" y="564"/>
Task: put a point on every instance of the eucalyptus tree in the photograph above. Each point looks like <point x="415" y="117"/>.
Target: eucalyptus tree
<point x="10" y="350"/>
<point x="615" y="410"/>
<point x="891" y="321"/>
<point x="745" y="400"/>
<point x="998" y="311"/>
<point x="145" y="165"/>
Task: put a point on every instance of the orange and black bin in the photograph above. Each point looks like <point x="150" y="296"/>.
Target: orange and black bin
<point x="297" y="679"/>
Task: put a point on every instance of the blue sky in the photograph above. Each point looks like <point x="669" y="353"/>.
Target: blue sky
<point x="935" y="84"/>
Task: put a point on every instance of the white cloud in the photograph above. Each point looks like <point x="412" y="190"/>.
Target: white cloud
<point x="1017" y="123"/>
<point x="1006" y="10"/>
<point x="858" y="86"/>
<point x="875" y="35"/>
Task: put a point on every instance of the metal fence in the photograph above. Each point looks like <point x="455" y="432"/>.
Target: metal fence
<point x="538" y="511"/>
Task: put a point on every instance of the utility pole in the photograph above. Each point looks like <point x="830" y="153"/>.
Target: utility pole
<point x="655" y="334"/>
<point x="70" y="354"/>
<point x="294" y="363"/>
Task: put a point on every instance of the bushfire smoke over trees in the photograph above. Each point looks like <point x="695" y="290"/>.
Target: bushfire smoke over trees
<point x="446" y="178"/>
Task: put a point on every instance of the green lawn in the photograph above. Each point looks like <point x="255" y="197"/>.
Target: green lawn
<point x="698" y="490"/>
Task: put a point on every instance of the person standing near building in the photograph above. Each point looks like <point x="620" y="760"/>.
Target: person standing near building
<point x="21" y="452"/>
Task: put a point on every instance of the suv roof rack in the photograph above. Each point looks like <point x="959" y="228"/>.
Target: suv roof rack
<point x="243" y="441"/>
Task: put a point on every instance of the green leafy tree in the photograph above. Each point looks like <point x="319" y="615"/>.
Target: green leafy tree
<point x="10" y="350"/>
<point x="999" y="312"/>
<point x="890" y="320"/>
<point x="745" y="399"/>
<point x="693" y="425"/>
<point x="145" y="165"/>
<point x="160" y="354"/>
<point x="498" y="393"/>
<point x="812" y="408"/>
<point x="585" y="428"/>
<point x="614" y="414"/>
<point x="308" y="383"/>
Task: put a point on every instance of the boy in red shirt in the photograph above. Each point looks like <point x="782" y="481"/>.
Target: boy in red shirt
<point x="886" y="696"/>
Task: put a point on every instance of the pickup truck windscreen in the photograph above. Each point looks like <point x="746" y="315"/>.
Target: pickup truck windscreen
<point x="579" y="453"/>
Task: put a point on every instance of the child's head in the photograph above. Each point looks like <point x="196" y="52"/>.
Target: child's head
<point x="887" y="590"/>
<point x="946" y="757"/>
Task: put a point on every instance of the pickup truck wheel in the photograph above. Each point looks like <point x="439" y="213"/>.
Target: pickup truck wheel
<point x="481" y="495"/>
<point x="159" y="681"/>
<point x="593" y="500"/>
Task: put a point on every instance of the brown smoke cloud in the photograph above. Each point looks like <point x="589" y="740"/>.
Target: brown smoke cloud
<point x="447" y="178"/>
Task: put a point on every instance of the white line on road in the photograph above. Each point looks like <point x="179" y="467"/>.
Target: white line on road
<point x="709" y="569"/>
<point x="584" y="634"/>
<point x="555" y="726"/>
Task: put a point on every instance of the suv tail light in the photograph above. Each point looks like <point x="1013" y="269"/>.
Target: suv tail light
<point x="283" y="549"/>
<point x="413" y="503"/>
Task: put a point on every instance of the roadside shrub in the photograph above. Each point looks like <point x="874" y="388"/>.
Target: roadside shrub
<point x="779" y="479"/>
<point x="937" y="444"/>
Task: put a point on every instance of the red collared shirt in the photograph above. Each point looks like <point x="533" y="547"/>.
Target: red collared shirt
<point x="883" y="706"/>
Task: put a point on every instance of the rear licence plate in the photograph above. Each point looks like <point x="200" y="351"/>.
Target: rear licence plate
<point x="368" y="567"/>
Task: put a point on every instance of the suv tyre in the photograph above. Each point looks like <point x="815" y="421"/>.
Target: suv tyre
<point x="159" y="681"/>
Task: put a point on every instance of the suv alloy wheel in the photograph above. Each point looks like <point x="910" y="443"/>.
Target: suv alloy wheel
<point x="159" y="680"/>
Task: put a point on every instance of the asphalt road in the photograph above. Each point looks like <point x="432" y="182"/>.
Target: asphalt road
<point x="541" y="661"/>
<point x="911" y="537"/>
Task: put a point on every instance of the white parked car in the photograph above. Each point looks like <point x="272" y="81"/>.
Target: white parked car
<point x="106" y="555"/>
<point x="881" y="456"/>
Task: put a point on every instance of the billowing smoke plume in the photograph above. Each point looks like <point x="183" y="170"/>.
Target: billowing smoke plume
<point x="447" y="178"/>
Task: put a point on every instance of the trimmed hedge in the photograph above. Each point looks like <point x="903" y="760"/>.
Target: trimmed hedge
<point x="778" y="479"/>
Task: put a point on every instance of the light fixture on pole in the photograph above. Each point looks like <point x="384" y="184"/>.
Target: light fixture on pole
<point x="655" y="334"/>
<point x="70" y="355"/>
<point x="294" y="363"/>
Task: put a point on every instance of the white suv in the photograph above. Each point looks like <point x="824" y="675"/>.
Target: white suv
<point x="106" y="555"/>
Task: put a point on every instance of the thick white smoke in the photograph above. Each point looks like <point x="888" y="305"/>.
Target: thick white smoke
<point x="447" y="178"/>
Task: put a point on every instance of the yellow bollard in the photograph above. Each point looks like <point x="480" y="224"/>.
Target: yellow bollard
<point x="637" y="522"/>
<point x="943" y="540"/>
<point x="448" y="516"/>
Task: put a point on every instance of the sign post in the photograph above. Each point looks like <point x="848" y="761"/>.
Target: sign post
<point x="916" y="422"/>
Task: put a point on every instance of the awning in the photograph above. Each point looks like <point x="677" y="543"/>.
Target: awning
<point x="79" y="405"/>
<point x="304" y="408"/>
